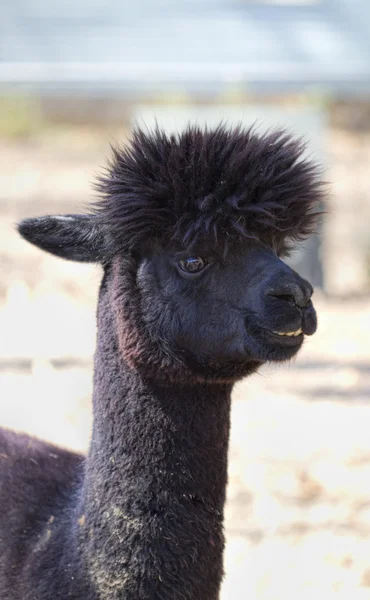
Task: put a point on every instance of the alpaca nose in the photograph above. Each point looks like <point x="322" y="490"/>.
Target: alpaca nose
<point x="298" y="291"/>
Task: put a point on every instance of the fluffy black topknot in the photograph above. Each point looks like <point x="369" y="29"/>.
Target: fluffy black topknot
<point x="214" y="185"/>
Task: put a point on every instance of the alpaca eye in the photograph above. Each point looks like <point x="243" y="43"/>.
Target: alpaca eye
<point x="193" y="264"/>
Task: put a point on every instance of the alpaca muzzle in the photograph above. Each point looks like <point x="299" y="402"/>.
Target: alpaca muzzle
<point x="293" y="294"/>
<point x="281" y="300"/>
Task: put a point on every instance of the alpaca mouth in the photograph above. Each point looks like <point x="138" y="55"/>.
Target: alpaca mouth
<point x="270" y="345"/>
<point x="286" y="339"/>
<point x="296" y="333"/>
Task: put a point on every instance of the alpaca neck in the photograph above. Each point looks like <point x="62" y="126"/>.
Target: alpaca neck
<point x="155" y="482"/>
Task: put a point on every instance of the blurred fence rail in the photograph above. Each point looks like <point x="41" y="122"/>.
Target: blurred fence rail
<point x="141" y="46"/>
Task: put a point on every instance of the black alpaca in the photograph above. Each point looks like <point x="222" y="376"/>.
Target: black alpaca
<point x="189" y="231"/>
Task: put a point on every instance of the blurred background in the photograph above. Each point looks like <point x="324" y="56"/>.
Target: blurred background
<point x="75" y="77"/>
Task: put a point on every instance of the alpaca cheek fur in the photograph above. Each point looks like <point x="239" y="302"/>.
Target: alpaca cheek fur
<point x="194" y="316"/>
<point x="141" y="352"/>
<point x="151" y="323"/>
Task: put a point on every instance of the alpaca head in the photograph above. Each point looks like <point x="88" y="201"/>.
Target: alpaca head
<point x="190" y="230"/>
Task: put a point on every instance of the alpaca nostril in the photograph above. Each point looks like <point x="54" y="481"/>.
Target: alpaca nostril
<point x="296" y="293"/>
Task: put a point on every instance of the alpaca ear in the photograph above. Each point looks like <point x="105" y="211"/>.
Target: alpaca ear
<point x="74" y="237"/>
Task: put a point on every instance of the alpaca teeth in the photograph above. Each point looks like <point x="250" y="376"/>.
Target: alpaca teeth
<point x="290" y="333"/>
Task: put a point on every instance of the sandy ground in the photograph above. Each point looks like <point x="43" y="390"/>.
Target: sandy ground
<point x="298" y="511"/>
